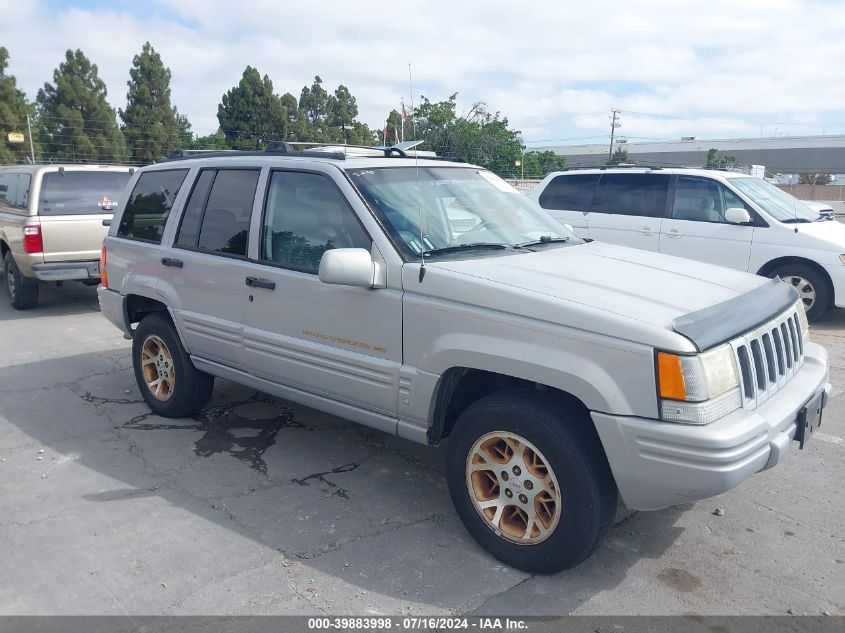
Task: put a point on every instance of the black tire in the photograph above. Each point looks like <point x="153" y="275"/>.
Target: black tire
<point x="570" y="445"/>
<point x="22" y="291"/>
<point x="793" y="273"/>
<point x="189" y="390"/>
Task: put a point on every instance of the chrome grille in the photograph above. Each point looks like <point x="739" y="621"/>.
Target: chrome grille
<point x="768" y="357"/>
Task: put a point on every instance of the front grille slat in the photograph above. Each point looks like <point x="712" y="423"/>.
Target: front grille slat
<point x="768" y="357"/>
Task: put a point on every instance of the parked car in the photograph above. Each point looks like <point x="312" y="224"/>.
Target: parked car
<point x="822" y="208"/>
<point x="53" y="219"/>
<point x="724" y="218"/>
<point x="560" y="371"/>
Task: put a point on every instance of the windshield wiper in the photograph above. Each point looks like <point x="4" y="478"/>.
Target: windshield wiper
<point x="796" y="221"/>
<point x="465" y="247"/>
<point x="544" y="239"/>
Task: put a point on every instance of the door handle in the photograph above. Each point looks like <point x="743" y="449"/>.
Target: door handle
<point x="646" y="230"/>
<point x="106" y="222"/>
<point x="169" y="261"/>
<point x="673" y="234"/>
<point x="260" y="282"/>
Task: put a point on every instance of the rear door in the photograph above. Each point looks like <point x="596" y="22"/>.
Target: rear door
<point x="696" y="227"/>
<point x="75" y="208"/>
<point x="629" y="209"/>
<point x="207" y="267"/>
<point x="568" y="198"/>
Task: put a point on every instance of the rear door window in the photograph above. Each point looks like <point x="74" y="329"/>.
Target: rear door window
<point x="149" y="205"/>
<point x="633" y="194"/>
<point x="218" y="213"/>
<point x="571" y="192"/>
<point x="81" y="192"/>
<point x="8" y="190"/>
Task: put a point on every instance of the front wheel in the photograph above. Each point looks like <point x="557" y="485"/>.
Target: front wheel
<point x="812" y="287"/>
<point x="530" y="481"/>
<point x="168" y="380"/>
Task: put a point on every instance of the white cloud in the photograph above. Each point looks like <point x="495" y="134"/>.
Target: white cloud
<point x="554" y="69"/>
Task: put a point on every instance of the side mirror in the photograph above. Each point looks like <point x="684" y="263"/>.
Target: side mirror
<point x="351" y="267"/>
<point x="737" y="215"/>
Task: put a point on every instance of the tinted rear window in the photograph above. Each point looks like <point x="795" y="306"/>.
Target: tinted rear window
<point x="633" y="194"/>
<point x="573" y="193"/>
<point x="81" y="192"/>
<point x="149" y="205"/>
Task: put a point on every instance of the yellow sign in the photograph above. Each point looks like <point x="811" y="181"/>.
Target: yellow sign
<point x="15" y="137"/>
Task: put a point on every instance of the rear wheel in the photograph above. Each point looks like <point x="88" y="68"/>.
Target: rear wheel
<point x="23" y="291"/>
<point x="168" y="380"/>
<point x="811" y="285"/>
<point x="530" y="482"/>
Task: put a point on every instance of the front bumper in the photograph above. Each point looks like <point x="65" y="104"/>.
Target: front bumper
<point x="658" y="464"/>
<point x="66" y="271"/>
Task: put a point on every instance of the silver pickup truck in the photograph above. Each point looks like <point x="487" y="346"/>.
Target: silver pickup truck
<point x="562" y="373"/>
<point x="53" y="219"/>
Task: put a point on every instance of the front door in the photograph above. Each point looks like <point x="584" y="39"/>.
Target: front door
<point x="696" y="228"/>
<point x="340" y="342"/>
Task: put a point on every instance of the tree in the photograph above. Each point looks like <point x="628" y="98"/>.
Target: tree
<point x="807" y="178"/>
<point x="251" y="114"/>
<point x="714" y="161"/>
<point x="149" y="121"/>
<point x="184" y="135"/>
<point x="619" y="156"/>
<point x="13" y="110"/>
<point x="314" y="103"/>
<point x="538" y="164"/>
<point x="394" y="127"/>
<point x="77" y="122"/>
<point x="478" y="136"/>
<point x="217" y="140"/>
<point x="297" y="124"/>
<point x="342" y="110"/>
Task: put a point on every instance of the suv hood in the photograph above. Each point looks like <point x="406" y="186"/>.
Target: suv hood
<point x="594" y="286"/>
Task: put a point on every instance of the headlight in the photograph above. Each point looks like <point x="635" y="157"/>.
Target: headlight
<point x="698" y="389"/>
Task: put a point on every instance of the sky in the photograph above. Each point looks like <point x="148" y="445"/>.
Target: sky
<point x="709" y="69"/>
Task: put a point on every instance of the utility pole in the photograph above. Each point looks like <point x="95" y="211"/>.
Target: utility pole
<point x="614" y="123"/>
<point x="31" y="147"/>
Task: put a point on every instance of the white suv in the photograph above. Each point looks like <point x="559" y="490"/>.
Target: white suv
<point x="724" y="218"/>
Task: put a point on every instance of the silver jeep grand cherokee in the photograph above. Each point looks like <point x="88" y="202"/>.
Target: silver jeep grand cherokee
<point x="560" y="370"/>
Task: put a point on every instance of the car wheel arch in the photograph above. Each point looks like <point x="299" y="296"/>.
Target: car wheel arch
<point x="769" y="267"/>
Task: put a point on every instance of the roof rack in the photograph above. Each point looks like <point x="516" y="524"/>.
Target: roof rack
<point x="335" y="151"/>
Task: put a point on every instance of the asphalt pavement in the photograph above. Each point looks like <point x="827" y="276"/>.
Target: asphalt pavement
<point x="261" y="506"/>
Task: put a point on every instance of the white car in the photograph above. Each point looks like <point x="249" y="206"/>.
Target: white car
<point x="724" y="218"/>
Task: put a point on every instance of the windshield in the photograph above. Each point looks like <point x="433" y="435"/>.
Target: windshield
<point x="779" y="204"/>
<point x="462" y="210"/>
<point x="81" y="192"/>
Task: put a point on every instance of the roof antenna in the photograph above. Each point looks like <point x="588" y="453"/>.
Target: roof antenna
<point x="417" y="170"/>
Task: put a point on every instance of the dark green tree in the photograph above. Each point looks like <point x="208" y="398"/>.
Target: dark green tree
<point x="620" y="155"/>
<point x="149" y="121"/>
<point x="13" y="110"/>
<point x="314" y="102"/>
<point x="251" y="114"/>
<point x="217" y="140"/>
<point x="478" y="136"/>
<point x="76" y="121"/>
<point x="298" y="127"/>
<point x="342" y="110"/>
<point x="538" y="164"/>
<point x="714" y="161"/>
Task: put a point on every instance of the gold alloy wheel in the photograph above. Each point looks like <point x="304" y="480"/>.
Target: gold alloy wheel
<point x="513" y="488"/>
<point x="157" y="368"/>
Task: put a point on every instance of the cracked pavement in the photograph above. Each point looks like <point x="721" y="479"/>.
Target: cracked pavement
<point x="260" y="506"/>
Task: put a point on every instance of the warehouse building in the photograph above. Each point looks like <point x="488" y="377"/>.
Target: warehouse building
<point x="779" y="154"/>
